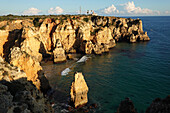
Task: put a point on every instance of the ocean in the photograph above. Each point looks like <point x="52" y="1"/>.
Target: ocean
<point x="140" y="71"/>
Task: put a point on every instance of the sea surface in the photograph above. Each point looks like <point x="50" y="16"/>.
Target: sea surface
<point x="140" y="71"/>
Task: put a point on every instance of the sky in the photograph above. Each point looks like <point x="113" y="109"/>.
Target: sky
<point x="101" y="7"/>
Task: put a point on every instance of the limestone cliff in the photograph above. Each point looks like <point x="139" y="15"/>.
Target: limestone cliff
<point x="78" y="34"/>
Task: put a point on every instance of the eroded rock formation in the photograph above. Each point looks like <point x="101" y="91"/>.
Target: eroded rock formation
<point x="59" y="53"/>
<point x="77" y="34"/>
<point x="10" y="73"/>
<point x="17" y="94"/>
<point x="30" y="66"/>
<point x="79" y="90"/>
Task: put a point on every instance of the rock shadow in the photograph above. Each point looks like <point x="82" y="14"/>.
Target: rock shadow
<point x="14" y="39"/>
<point x="21" y="95"/>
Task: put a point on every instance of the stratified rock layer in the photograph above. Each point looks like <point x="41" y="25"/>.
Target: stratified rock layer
<point x="79" y="90"/>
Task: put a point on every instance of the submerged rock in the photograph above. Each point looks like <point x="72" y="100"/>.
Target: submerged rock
<point x="126" y="106"/>
<point x="79" y="90"/>
<point x="159" y="106"/>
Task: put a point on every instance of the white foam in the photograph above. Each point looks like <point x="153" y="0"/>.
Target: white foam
<point x="83" y="59"/>
<point x="65" y="72"/>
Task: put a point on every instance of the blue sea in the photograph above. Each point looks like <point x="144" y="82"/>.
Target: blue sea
<point x="140" y="71"/>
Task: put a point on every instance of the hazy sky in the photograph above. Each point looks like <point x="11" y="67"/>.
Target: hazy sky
<point x="102" y="7"/>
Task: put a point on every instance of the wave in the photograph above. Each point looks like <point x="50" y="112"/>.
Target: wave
<point x="83" y="59"/>
<point x="67" y="70"/>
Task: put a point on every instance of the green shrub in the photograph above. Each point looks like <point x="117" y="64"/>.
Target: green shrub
<point x="36" y="22"/>
<point x="86" y="19"/>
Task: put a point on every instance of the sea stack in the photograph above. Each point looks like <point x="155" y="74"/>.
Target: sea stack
<point x="79" y="90"/>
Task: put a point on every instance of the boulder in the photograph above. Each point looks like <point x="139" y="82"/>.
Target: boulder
<point x="79" y="90"/>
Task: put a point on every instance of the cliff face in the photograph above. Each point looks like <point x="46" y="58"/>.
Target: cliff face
<point x="77" y="34"/>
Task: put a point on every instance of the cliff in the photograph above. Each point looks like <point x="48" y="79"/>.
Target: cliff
<point x="39" y="36"/>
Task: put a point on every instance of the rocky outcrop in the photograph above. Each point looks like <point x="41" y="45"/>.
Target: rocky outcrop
<point x="31" y="43"/>
<point x="66" y="34"/>
<point x="8" y="39"/>
<point x="79" y="90"/>
<point x="31" y="67"/>
<point x="17" y="94"/>
<point x="126" y="106"/>
<point x="21" y="96"/>
<point x="59" y="53"/>
<point x="45" y="31"/>
<point x="10" y="73"/>
<point x="130" y="30"/>
<point x="159" y="106"/>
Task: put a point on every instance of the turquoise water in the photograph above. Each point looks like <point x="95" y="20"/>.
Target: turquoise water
<point x="140" y="71"/>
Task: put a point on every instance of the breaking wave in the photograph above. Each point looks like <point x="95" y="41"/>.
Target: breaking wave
<point x="82" y="59"/>
<point x="67" y="70"/>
